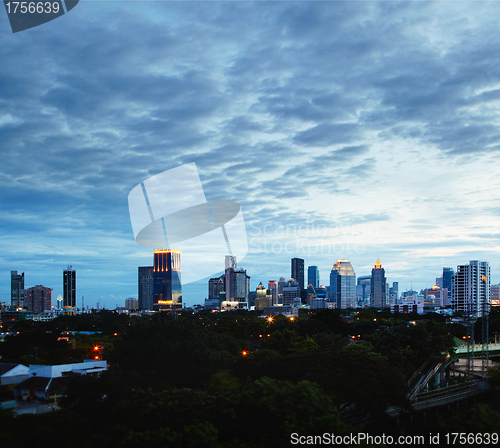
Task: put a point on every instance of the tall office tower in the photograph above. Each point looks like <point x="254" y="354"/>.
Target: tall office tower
<point x="448" y="282"/>
<point x="343" y="285"/>
<point x="38" y="299"/>
<point x="291" y="293"/>
<point x="363" y="290"/>
<point x="16" y="289"/>
<point x="272" y="290"/>
<point x="167" y="280"/>
<point x="237" y="288"/>
<point x="298" y="271"/>
<point x="69" y="290"/>
<point x="281" y="284"/>
<point x="393" y="293"/>
<point x="145" y="285"/>
<point x="215" y="287"/>
<point x="472" y="288"/>
<point x="230" y="262"/>
<point x="313" y="276"/>
<point x="378" y="286"/>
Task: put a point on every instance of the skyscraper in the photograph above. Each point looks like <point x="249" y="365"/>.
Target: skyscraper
<point x="237" y="287"/>
<point x="472" y="288"/>
<point x="272" y="289"/>
<point x="38" y="299"/>
<point x="313" y="276"/>
<point x="145" y="291"/>
<point x="69" y="290"/>
<point x="16" y="289"/>
<point x="343" y="285"/>
<point x="378" y="286"/>
<point x="448" y="274"/>
<point x="291" y="293"/>
<point x="298" y="271"/>
<point x="215" y="287"/>
<point x="167" y="280"/>
<point x="363" y="289"/>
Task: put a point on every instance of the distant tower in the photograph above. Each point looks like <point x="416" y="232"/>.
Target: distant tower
<point x="298" y="271"/>
<point x="313" y="276"/>
<point x="17" y="289"/>
<point x="378" y="286"/>
<point x="448" y="274"/>
<point x="145" y="286"/>
<point x="38" y="299"/>
<point x="237" y="284"/>
<point x="343" y="285"/>
<point x="167" y="280"/>
<point x="272" y="288"/>
<point x="59" y="302"/>
<point x="69" y="289"/>
<point x="472" y="288"/>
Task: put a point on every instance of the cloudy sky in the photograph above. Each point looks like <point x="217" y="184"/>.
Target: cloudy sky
<point x="349" y="130"/>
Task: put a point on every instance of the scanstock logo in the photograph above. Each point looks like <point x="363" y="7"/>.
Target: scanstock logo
<point x="170" y="211"/>
<point x="25" y="15"/>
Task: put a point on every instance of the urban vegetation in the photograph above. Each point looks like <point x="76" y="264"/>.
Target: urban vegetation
<point x="234" y="379"/>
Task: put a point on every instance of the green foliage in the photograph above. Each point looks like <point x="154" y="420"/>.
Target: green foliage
<point x="35" y="346"/>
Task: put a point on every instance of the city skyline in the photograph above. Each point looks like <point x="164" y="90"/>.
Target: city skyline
<point x="344" y="130"/>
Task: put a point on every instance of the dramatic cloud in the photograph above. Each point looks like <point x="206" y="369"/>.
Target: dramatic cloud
<point x="375" y="120"/>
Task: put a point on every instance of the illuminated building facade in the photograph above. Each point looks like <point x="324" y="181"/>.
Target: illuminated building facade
<point x="378" y="287"/>
<point x="145" y="288"/>
<point x="17" y="289"/>
<point x="167" y="280"/>
<point x="69" y="290"/>
<point x="343" y="285"/>
<point x="38" y="299"/>
<point x="472" y="288"/>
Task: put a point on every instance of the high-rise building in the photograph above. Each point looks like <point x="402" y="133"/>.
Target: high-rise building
<point x="262" y="299"/>
<point x="145" y="291"/>
<point x="363" y="290"/>
<point x="291" y="293"/>
<point x="272" y="289"/>
<point x="38" y="299"/>
<point x="394" y="293"/>
<point x="167" y="280"/>
<point x="69" y="290"/>
<point x="237" y="284"/>
<point x="17" y="289"/>
<point x="378" y="285"/>
<point x="215" y="287"/>
<point x="448" y="282"/>
<point x="313" y="276"/>
<point x="298" y="271"/>
<point x="472" y="288"/>
<point x="343" y="285"/>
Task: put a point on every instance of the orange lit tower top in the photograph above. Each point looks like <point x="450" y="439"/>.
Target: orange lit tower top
<point x="167" y="280"/>
<point x="166" y="259"/>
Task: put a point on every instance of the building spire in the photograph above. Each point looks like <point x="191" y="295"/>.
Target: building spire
<point x="378" y="265"/>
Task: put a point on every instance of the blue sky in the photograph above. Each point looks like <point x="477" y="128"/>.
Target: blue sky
<point x="343" y="129"/>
